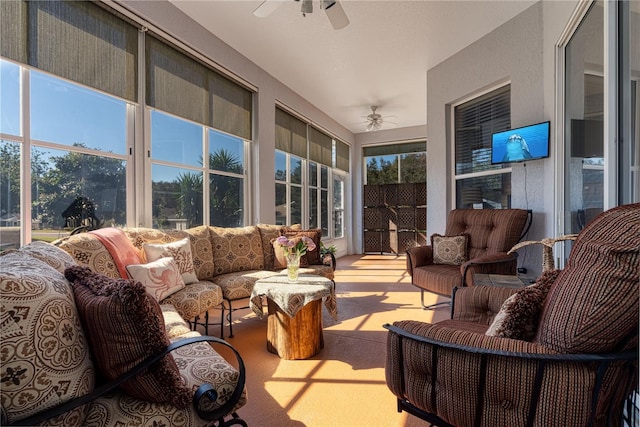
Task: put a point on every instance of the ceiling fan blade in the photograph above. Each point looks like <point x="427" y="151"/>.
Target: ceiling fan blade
<point x="266" y="8"/>
<point x="336" y="16"/>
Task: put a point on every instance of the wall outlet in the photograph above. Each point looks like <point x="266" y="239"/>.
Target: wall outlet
<point x="522" y="270"/>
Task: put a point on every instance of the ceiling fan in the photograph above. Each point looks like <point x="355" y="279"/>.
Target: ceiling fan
<point x="332" y="8"/>
<point x="375" y="120"/>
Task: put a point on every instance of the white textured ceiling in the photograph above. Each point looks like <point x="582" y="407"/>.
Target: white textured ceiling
<point x="381" y="58"/>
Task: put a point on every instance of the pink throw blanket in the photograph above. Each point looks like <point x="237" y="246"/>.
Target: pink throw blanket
<point x="119" y="246"/>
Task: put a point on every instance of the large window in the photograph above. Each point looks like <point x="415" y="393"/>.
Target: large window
<point x="77" y="151"/>
<point x="396" y="163"/>
<point x="480" y="184"/>
<point x="178" y="168"/>
<point x="306" y="162"/>
<point x="73" y="148"/>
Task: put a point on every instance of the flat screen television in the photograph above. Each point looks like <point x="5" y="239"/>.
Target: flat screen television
<point x="521" y="144"/>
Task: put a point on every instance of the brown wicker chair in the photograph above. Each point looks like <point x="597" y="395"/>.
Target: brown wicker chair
<point x="492" y="232"/>
<point x="580" y="369"/>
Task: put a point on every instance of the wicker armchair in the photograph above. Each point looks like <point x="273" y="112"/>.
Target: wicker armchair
<point x="491" y="233"/>
<point x="579" y="369"/>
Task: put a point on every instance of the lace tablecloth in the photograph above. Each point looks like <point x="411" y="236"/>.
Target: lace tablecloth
<point x="291" y="297"/>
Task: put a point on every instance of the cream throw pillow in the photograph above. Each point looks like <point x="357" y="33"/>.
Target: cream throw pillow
<point x="451" y="250"/>
<point x="180" y="251"/>
<point x="160" y="278"/>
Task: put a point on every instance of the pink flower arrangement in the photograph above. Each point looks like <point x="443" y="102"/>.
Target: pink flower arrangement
<point x="298" y="248"/>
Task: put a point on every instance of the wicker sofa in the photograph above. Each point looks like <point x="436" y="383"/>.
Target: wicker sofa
<point x="561" y="352"/>
<point x="82" y="349"/>
<point x="226" y="261"/>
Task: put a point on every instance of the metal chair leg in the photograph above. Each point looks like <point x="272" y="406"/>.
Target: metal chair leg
<point x="432" y="306"/>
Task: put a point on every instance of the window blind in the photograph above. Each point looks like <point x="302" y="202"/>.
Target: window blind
<point x="475" y="122"/>
<point x="390" y="149"/>
<point x="181" y="85"/>
<point x="291" y="134"/>
<point x="342" y="156"/>
<point x="76" y="40"/>
<point x="320" y="147"/>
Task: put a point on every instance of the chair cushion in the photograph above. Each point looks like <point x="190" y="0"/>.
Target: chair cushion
<point x="313" y="257"/>
<point x="52" y="255"/>
<point x="280" y="257"/>
<point x="450" y="250"/>
<point x="490" y="230"/>
<point x="236" y="249"/>
<point x="87" y="250"/>
<point x="124" y="326"/>
<point x="520" y="313"/>
<point x="45" y="357"/>
<point x="268" y="232"/>
<point x="593" y="305"/>
<point x="196" y="298"/>
<point x="201" y="252"/>
<point x="160" y="278"/>
<point x="179" y="250"/>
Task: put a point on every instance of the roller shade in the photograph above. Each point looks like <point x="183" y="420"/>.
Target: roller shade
<point x="320" y="147"/>
<point x="181" y="85"/>
<point x="76" y="40"/>
<point x="342" y="156"/>
<point x="291" y="134"/>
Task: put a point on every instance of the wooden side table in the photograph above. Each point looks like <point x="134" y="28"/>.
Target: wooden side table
<point x="297" y="337"/>
<point x="294" y="323"/>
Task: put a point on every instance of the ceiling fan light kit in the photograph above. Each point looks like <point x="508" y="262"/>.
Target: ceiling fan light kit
<point x="332" y="8"/>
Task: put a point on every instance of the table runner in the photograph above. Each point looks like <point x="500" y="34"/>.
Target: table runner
<point x="291" y="297"/>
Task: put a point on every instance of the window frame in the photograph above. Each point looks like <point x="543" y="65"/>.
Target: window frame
<point x="455" y="176"/>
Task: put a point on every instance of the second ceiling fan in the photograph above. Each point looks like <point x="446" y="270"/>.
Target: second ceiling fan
<point x="332" y="8"/>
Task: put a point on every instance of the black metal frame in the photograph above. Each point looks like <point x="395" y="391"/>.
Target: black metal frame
<point x="629" y="358"/>
<point x="196" y="321"/>
<point x="205" y="390"/>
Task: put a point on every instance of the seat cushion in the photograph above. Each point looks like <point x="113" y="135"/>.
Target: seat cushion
<point x="239" y="285"/>
<point x="593" y="305"/>
<point x="45" y="357"/>
<point x="195" y="298"/>
<point x="441" y="278"/>
<point x="124" y="325"/>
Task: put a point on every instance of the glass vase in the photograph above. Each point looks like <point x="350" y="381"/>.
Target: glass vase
<point x="293" y="267"/>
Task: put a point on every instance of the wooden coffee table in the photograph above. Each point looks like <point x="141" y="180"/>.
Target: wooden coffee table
<point x="294" y="323"/>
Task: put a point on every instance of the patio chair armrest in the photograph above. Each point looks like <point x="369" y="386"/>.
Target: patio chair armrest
<point x="418" y="256"/>
<point x="498" y="263"/>
<point x="478" y="304"/>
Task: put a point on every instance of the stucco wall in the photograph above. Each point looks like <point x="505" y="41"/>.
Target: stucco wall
<point x="520" y="52"/>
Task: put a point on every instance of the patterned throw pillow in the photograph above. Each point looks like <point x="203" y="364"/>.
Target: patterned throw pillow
<point x="519" y="315"/>
<point x="451" y="250"/>
<point x="180" y="251"/>
<point x="124" y="326"/>
<point x="160" y="278"/>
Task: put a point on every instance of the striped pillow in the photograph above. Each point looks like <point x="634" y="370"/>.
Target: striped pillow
<point x="124" y="326"/>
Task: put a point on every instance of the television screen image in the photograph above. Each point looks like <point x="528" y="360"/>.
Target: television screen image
<point x="521" y="144"/>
